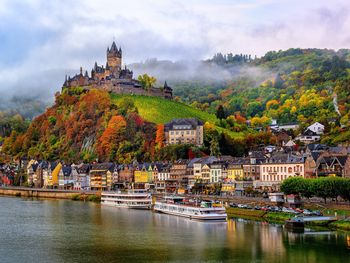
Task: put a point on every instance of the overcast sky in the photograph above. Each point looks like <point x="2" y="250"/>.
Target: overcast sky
<point x="41" y="40"/>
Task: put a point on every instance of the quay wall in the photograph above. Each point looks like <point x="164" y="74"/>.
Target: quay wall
<point x="44" y="193"/>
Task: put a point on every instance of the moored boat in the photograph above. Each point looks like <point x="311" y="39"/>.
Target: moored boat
<point x="204" y="211"/>
<point x="135" y="198"/>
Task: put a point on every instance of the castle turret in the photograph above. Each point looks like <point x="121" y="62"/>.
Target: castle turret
<point x="114" y="59"/>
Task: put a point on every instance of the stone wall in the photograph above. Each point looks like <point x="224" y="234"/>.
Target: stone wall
<point x="43" y="193"/>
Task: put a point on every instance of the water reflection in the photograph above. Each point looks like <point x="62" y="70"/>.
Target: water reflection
<point x="66" y="231"/>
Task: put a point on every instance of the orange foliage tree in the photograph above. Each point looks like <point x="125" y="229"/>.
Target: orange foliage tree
<point x="160" y="136"/>
<point x="111" y="137"/>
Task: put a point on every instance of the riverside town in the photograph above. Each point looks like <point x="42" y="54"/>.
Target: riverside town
<point x="175" y="131"/>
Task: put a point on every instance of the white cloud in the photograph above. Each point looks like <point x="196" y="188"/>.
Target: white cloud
<point x="43" y="40"/>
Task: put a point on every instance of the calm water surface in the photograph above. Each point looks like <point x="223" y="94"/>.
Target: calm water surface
<point x="67" y="231"/>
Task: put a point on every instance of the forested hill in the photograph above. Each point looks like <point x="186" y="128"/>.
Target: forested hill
<point x="296" y="85"/>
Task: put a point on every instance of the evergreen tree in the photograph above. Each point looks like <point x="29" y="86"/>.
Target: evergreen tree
<point x="220" y="113"/>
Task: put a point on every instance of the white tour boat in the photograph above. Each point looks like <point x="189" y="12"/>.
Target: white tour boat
<point x="175" y="205"/>
<point x="135" y="198"/>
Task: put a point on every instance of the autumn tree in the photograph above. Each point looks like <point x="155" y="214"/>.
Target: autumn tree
<point x="160" y="136"/>
<point x="146" y="81"/>
<point x="110" y="139"/>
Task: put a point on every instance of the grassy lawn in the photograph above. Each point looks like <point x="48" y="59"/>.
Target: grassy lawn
<point x="341" y="224"/>
<point x="158" y="110"/>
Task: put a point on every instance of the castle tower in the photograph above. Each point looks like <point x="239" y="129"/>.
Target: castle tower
<point x="114" y="59"/>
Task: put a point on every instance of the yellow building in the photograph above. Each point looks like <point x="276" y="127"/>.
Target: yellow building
<point x="141" y="176"/>
<point x="54" y="176"/>
<point x="234" y="172"/>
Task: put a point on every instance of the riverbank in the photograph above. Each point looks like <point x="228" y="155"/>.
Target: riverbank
<point x="50" y="193"/>
<point x="281" y="217"/>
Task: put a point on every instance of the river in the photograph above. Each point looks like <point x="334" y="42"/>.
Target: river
<point x="69" y="231"/>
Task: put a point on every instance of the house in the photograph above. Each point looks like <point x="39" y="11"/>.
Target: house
<point x="235" y="171"/>
<point x="190" y="171"/>
<point x="125" y="175"/>
<point x="53" y="181"/>
<point x="82" y="180"/>
<point x="205" y="174"/>
<point x="141" y="174"/>
<point x="289" y="144"/>
<point x="162" y="176"/>
<point x="333" y="165"/>
<point x="38" y="176"/>
<point x="310" y="163"/>
<point x="65" y="178"/>
<point x="31" y="169"/>
<point x="184" y="131"/>
<point x="278" y="168"/>
<point x="288" y="126"/>
<point x="7" y="175"/>
<point x="317" y="128"/>
<point x="178" y="172"/>
<point x="216" y="171"/>
<point x="251" y="165"/>
<point x="282" y="138"/>
<point x="203" y="163"/>
<point x="308" y="136"/>
<point x="101" y="175"/>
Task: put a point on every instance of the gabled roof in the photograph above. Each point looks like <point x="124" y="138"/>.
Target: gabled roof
<point x="316" y="146"/>
<point x="315" y="155"/>
<point x="83" y="168"/>
<point x="193" y="161"/>
<point x="193" y="122"/>
<point x="309" y="132"/>
<point x="67" y="170"/>
<point x="103" y="166"/>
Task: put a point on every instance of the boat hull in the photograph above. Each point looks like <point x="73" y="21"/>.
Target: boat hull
<point x="137" y="206"/>
<point x="212" y="216"/>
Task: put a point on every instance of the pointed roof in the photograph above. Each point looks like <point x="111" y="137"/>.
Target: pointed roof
<point x="114" y="47"/>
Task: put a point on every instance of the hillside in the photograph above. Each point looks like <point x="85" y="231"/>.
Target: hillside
<point x="90" y="125"/>
<point x="158" y="110"/>
<point x="296" y="85"/>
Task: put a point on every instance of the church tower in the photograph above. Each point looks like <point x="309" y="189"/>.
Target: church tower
<point x="114" y="59"/>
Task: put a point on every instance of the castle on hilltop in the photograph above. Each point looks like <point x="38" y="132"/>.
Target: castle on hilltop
<point x="113" y="78"/>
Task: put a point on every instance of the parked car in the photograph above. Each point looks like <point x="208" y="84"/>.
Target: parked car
<point x="285" y="209"/>
<point x="257" y="207"/>
<point x="307" y="212"/>
<point x="317" y="213"/>
<point x="299" y="210"/>
<point x="241" y="206"/>
<point x="264" y="208"/>
<point x="233" y="205"/>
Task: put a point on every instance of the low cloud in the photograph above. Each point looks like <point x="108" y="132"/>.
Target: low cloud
<point x="42" y="41"/>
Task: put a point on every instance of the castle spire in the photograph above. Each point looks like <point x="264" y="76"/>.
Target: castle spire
<point x="86" y="74"/>
<point x="114" y="47"/>
<point x="81" y="70"/>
